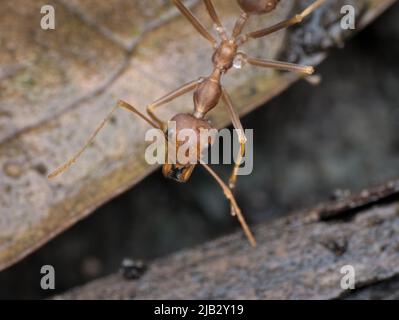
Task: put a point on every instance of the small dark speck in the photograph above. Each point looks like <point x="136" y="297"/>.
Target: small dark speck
<point x="383" y="247"/>
<point x="112" y="120"/>
<point x="41" y="169"/>
<point x="336" y="246"/>
<point x="132" y="269"/>
<point x="374" y="221"/>
<point x="253" y="90"/>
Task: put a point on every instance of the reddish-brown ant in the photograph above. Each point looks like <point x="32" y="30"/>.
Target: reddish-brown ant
<point x="208" y="91"/>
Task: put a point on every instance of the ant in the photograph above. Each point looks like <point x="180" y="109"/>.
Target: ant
<point x="208" y="91"/>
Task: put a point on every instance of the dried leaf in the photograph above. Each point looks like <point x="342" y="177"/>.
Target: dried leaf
<point x="57" y="85"/>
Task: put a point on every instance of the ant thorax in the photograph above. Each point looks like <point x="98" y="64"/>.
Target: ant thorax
<point x="224" y="55"/>
<point x="209" y="91"/>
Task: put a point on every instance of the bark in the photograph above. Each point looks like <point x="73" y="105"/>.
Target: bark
<point x="298" y="257"/>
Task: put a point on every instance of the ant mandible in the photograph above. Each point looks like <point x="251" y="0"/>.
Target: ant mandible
<point x="208" y="91"/>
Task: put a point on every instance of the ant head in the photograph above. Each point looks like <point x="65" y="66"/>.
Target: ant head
<point x="188" y="138"/>
<point x="258" y="6"/>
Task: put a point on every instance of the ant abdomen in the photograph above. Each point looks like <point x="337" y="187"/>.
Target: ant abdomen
<point x="258" y="6"/>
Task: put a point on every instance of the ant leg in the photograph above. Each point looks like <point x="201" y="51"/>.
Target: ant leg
<point x="240" y="24"/>
<point x="129" y="107"/>
<point x="216" y="20"/>
<point x="234" y="206"/>
<point x="194" y="21"/>
<point x="72" y="160"/>
<point x="283" y="24"/>
<point x="241" y="136"/>
<point x="169" y="97"/>
<point x="278" y="65"/>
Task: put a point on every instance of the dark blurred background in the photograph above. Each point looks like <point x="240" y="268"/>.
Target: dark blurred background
<point x="308" y="143"/>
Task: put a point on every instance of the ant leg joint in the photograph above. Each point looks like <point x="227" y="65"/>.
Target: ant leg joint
<point x="298" y="18"/>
